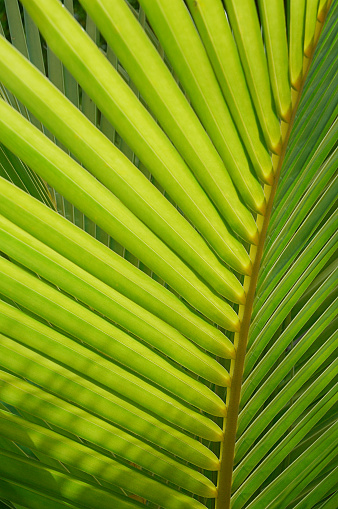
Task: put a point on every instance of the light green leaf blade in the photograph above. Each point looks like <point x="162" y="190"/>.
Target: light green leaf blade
<point x="112" y="341"/>
<point x="296" y="41"/>
<point x="113" y="440"/>
<point x="76" y="184"/>
<point x="102" y="262"/>
<point x="126" y="181"/>
<point x="87" y="380"/>
<point x="31" y="253"/>
<point x="275" y="37"/>
<point x="115" y="99"/>
<point x="216" y="35"/>
<point x="182" y="44"/>
<point x="320" y="491"/>
<point x="310" y="25"/>
<point x="244" y="22"/>
<point x="97" y="333"/>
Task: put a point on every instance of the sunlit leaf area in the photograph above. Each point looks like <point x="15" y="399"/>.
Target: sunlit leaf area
<point x="168" y="267"/>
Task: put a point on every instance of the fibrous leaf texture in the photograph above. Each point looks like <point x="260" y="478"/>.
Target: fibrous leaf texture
<point x="168" y="235"/>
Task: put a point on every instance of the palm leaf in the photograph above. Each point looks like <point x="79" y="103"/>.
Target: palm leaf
<point x="168" y="334"/>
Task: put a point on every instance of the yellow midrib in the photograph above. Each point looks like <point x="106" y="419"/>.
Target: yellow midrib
<point x="250" y="282"/>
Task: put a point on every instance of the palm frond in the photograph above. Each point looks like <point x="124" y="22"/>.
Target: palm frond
<point x="168" y="232"/>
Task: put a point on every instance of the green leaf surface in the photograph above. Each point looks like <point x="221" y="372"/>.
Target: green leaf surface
<point x="31" y="253"/>
<point x="187" y="55"/>
<point x="97" y="333"/>
<point x="290" y="288"/>
<point x="56" y="484"/>
<point x="105" y="208"/>
<point x="141" y="131"/>
<point x="112" y="439"/>
<point x="89" y="384"/>
<point x="92" y="256"/>
<point x="245" y="25"/>
<point x="275" y="37"/>
<point x="296" y="41"/>
<point x="280" y="346"/>
<point x="135" y="172"/>
<point x="315" y="495"/>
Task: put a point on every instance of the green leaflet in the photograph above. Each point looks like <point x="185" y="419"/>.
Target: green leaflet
<point x="310" y="25"/>
<point x="105" y="209"/>
<point x="161" y="92"/>
<point x="317" y="282"/>
<point x="15" y="26"/>
<point x="94" y="430"/>
<point x="331" y="502"/>
<point x="291" y="388"/>
<point x="296" y="41"/>
<point x="274" y="27"/>
<point x="33" y="43"/>
<point x="19" y="495"/>
<point x="292" y="285"/>
<point x="110" y="350"/>
<point x="121" y="382"/>
<point x="102" y="262"/>
<point x="14" y="170"/>
<point x="182" y="44"/>
<point x="317" y="164"/>
<point x="54" y="483"/>
<point x="11" y="167"/>
<point x="216" y="35"/>
<point x="63" y="80"/>
<point x="271" y="493"/>
<point x="302" y="196"/>
<point x="86" y="378"/>
<point x="281" y="344"/>
<point x="244" y="22"/>
<point x="36" y="256"/>
<point x="75" y="183"/>
<point x="324" y="424"/>
<point x="318" y="493"/>
<point x="322" y="8"/>
<point x="19" y="42"/>
<point x="301" y="225"/>
<point x="317" y="112"/>
<point x="289" y="418"/>
<point x="296" y="476"/>
<point x="98" y="333"/>
<point x="115" y="99"/>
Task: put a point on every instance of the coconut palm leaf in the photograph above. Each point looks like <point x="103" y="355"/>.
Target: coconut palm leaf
<point x="168" y="233"/>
